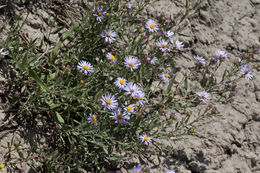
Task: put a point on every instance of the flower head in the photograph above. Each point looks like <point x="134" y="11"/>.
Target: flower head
<point x="137" y="169"/>
<point x="109" y="35"/>
<point x="132" y="62"/>
<point x="165" y="76"/>
<point x="120" y="83"/>
<point x="92" y="118"/>
<point x="168" y="34"/>
<point x="178" y="44"/>
<point x="85" y="67"/>
<point x="111" y="57"/>
<point x="152" y="61"/>
<point x="132" y="89"/>
<point x="204" y="96"/>
<point x="145" y="139"/>
<point x="120" y="117"/>
<point x="229" y="85"/>
<point x="239" y="60"/>
<point x="109" y="101"/>
<point x="170" y="171"/>
<point x="99" y="13"/>
<point x="129" y="109"/>
<point x="221" y="54"/>
<point x="152" y="25"/>
<point x="247" y="71"/>
<point x="2" y="52"/>
<point x="140" y="96"/>
<point x="129" y="5"/>
<point x="200" y="60"/>
<point x="163" y="45"/>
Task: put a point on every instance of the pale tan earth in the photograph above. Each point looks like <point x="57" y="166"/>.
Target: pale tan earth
<point x="227" y="143"/>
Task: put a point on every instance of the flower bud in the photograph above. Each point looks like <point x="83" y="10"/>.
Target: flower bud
<point x="189" y="113"/>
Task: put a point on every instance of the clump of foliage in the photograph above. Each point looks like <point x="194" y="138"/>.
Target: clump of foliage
<point x="108" y="88"/>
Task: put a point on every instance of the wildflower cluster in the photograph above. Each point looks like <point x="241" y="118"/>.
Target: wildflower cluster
<point x="109" y="86"/>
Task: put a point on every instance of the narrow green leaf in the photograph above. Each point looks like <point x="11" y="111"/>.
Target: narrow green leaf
<point x="186" y="84"/>
<point x="37" y="80"/>
<point x="74" y="24"/>
<point x="224" y="74"/>
<point x="55" y="51"/>
<point x="169" y="86"/>
<point x="66" y="35"/>
<point x="57" y="30"/>
<point x="115" y="158"/>
<point x="52" y="105"/>
<point x="59" y="117"/>
<point x="21" y="155"/>
<point x="2" y="6"/>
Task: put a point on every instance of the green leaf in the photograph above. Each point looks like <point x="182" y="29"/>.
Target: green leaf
<point x="74" y="24"/>
<point x="56" y="49"/>
<point x="66" y="35"/>
<point x="224" y="74"/>
<point x="104" y="147"/>
<point x="52" y="105"/>
<point x="186" y="84"/>
<point x="59" y="117"/>
<point x="57" y="30"/>
<point x="2" y="6"/>
<point x="21" y="155"/>
<point x="38" y="80"/>
<point x="169" y="86"/>
<point x="115" y="158"/>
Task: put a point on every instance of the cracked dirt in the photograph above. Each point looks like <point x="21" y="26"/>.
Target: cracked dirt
<point x="227" y="143"/>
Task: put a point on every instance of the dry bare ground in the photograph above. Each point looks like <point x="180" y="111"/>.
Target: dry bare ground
<point x="227" y="143"/>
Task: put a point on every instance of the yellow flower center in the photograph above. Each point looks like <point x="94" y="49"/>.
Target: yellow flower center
<point x="166" y="75"/>
<point x="85" y="67"/>
<point x="120" y="116"/>
<point x="109" y="102"/>
<point x="112" y="57"/>
<point x="108" y="34"/>
<point x="122" y="82"/>
<point x="152" y="26"/>
<point x="99" y="13"/>
<point x="131" y="64"/>
<point x="129" y="108"/>
<point x="94" y="118"/>
<point x="163" y="46"/>
<point x="2" y="166"/>
<point x="146" y="138"/>
<point x="140" y="98"/>
<point x="131" y="90"/>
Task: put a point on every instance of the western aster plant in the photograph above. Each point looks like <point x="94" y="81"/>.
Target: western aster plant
<point x="99" y="94"/>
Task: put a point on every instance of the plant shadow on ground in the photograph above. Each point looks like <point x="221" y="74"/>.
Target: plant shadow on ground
<point x="29" y="131"/>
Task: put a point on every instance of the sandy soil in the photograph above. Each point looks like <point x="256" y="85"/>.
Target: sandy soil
<point x="227" y="143"/>
<point x="230" y="142"/>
